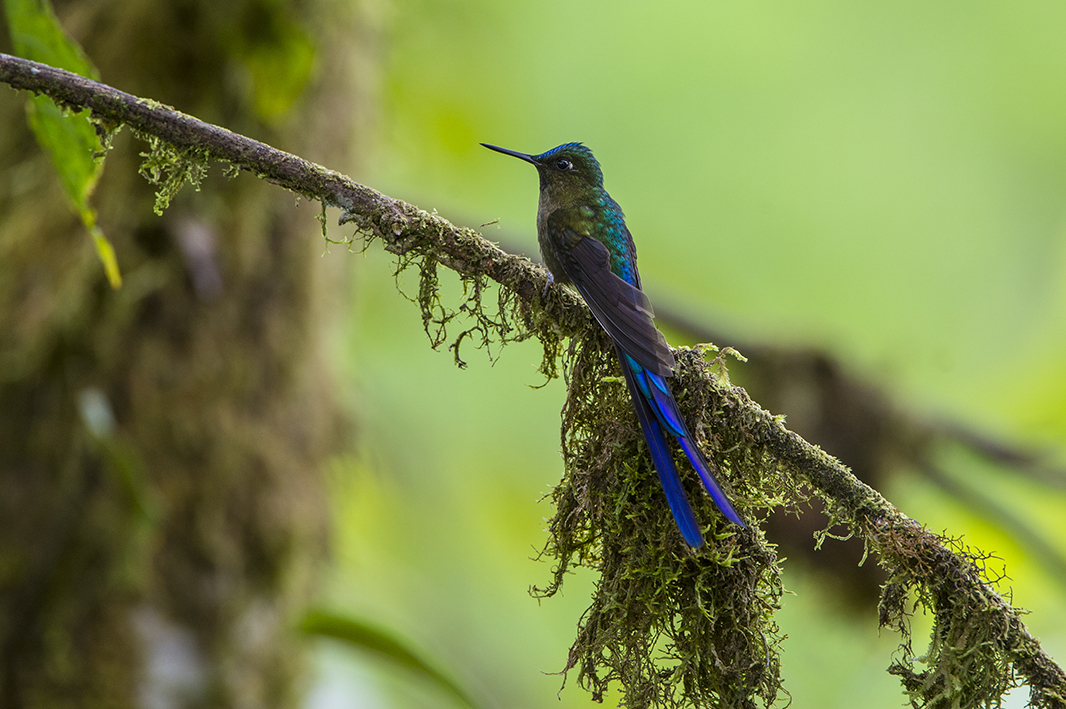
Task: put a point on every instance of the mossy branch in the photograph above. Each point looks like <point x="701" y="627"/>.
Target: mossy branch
<point x="979" y="641"/>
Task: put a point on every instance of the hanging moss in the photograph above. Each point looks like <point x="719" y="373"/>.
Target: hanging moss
<point x="169" y="169"/>
<point x="671" y="626"/>
<point x="508" y="318"/>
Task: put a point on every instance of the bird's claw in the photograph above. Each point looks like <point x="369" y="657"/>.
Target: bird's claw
<point x="551" y="280"/>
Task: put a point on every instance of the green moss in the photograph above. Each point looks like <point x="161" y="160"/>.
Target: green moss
<point x="673" y="627"/>
<point x="168" y="168"/>
<point x="485" y="322"/>
<point x="965" y="664"/>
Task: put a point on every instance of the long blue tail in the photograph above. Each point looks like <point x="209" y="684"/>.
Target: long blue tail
<point x="664" y="463"/>
<point x="657" y="410"/>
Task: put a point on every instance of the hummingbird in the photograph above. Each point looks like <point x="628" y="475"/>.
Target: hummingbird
<point x="585" y="243"/>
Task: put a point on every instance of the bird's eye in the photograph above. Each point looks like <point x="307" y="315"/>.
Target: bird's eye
<point x="564" y="164"/>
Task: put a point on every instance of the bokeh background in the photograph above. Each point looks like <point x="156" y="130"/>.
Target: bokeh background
<point x="884" y="182"/>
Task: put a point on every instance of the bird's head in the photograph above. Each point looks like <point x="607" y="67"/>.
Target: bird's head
<point x="567" y="172"/>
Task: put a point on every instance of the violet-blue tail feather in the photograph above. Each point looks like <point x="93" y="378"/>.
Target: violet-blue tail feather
<point x="652" y="391"/>
<point x="663" y="460"/>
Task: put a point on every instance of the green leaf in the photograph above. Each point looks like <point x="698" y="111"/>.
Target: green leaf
<point x="383" y="643"/>
<point x="69" y="138"/>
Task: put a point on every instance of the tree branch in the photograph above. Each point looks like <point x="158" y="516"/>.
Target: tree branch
<point x="947" y="580"/>
<point x="401" y="226"/>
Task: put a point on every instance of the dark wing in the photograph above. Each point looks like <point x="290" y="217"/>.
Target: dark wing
<point x="620" y="308"/>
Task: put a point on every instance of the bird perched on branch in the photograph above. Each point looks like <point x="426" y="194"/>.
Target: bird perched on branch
<point x="584" y="242"/>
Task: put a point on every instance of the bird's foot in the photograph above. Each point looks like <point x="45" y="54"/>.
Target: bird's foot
<point x="551" y="280"/>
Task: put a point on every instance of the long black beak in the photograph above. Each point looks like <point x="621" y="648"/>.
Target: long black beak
<point x="521" y="156"/>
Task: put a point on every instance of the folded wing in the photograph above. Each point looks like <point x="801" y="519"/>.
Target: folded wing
<point x="620" y="308"/>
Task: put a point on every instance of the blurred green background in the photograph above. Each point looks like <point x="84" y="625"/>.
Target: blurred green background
<point x="884" y="181"/>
